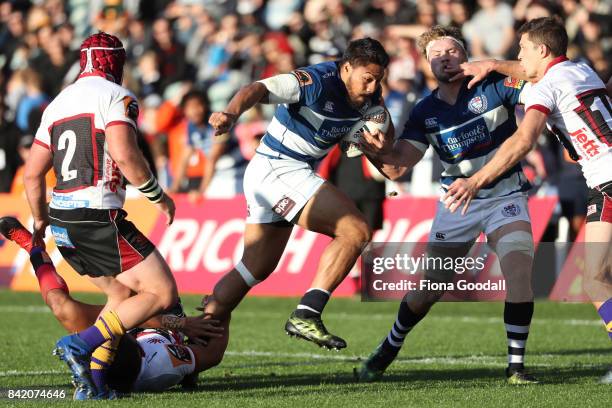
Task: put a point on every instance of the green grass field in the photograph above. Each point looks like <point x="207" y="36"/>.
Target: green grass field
<point x="455" y="357"/>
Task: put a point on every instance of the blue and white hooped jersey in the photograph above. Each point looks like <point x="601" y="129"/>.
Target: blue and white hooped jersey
<point x="466" y="135"/>
<point x="308" y="129"/>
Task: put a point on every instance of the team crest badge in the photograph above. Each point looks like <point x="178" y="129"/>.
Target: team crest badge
<point x="478" y="104"/>
<point x="511" y="210"/>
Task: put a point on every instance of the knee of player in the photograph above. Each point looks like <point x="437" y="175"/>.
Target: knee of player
<point x="357" y="230"/>
<point x="167" y="299"/>
<point x="57" y="306"/>
<point x="216" y="358"/>
<point x="118" y="292"/>
<point x="516" y="244"/>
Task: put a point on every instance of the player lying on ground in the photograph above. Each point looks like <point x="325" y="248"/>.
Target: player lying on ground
<point x="573" y="103"/>
<point x="317" y="106"/>
<point x="465" y="127"/>
<point x="153" y="357"/>
<point x="88" y="136"/>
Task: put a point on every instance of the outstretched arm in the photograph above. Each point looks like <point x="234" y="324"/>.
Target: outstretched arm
<point x="479" y="70"/>
<point x="515" y="148"/>
<point x="244" y="100"/>
<point x="283" y="88"/>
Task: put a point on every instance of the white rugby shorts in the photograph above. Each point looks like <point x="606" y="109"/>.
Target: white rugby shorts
<point x="277" y="189"/>
<point x="483" y="215"/>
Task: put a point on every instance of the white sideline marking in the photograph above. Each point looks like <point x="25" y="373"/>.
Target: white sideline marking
<point x="17" y="373"/>
<point x="355" y="316"/>
<point x="479" y="360"/>
<point x="464" y="319"/>
<point x="464" y="360"/>
<point x="473" y="360"/>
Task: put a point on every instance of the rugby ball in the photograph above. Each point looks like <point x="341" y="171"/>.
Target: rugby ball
<point x="375" y="118"/>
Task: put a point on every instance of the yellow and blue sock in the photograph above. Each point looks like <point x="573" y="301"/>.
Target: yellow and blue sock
<point x="605" y="311"/>
<point x="107" y="327"/>
<point x="101" y="360"/>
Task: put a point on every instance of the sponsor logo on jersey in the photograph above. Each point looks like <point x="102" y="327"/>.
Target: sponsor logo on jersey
<point x="284" y="206"/>
<point x="511" y="210"/>
<point x="68" y="201"/>
<point x="179" y="355"/>
<point x="513" y="83"/>
<point x="440" y="236"/>
<point x="329" y="106"/>
<point x="478" y="104"/>
<point x="61" y="237"/>
<point x="461" y="143"/>
<point x="303" y="77"/>
<point x="155" y="341"/>
<point x="588" y="146"/>
<point x="431" y="122"/>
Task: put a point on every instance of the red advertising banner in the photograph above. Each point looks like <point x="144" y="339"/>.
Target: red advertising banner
<point x="205" y="241"/>
<point x="568" y="287"/>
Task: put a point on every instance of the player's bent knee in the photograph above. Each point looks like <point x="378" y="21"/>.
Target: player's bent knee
<point x="357" y="231"/>
<point x="515" y="242"/>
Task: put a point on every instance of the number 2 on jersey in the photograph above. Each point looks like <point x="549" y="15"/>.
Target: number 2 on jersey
<point x="68" y="137"/>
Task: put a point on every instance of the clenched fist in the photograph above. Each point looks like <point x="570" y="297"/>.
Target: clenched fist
<point x="222" y="122"/>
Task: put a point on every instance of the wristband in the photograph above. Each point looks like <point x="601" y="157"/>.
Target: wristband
<point x="152" y="190"/>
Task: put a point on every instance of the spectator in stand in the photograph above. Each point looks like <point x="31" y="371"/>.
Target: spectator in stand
<point x="9" y="161"/>
<point x="490" y="32"/>
<point x="170" y="53"/>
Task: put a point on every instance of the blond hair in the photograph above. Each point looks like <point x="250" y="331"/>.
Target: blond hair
<point x="437" y="32"/>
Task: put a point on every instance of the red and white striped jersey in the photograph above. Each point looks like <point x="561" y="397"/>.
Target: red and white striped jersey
<point x="578" y="109"/>
<point x="73" y="128"/>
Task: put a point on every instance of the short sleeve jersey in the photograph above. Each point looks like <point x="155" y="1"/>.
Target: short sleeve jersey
<point x="467" y="134"/>
<point x="579" y="113"/>
<point x="73" y="128"/>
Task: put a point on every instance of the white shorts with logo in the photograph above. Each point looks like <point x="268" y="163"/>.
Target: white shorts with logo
<point x="277" y="189"/>
<point x="164" y="364"/>
<point x="484" y="215"/>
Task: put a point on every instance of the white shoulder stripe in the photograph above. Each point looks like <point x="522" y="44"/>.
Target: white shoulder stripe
<point x="293" y="141"/>
<point x="316" y="119"/>
<point x="492" y="118"/>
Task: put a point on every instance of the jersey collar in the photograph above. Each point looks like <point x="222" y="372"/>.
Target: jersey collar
<point x="96" y="73"/>
<point x="558" y="60"/>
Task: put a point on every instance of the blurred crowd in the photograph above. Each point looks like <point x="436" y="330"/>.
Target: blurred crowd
<point x="186" y="58"/>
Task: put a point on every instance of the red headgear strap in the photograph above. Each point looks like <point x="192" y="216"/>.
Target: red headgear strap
<point x="103" y="53"/>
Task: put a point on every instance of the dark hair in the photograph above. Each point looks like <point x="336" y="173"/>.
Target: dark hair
<point x="124" y="370"/>
<point x="365" y="51"/>
<point x="195" y="94"/>
<point x="548" y="31"/>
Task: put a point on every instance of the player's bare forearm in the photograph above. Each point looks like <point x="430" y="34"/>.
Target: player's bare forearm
<point x="513" y="149"/>
<point x="509" y="154"/>
<point x="396" y="162"/>
<point x="36" y="188"/>
<point x="123" y="148"/>
<point x="509" y="68"/>
<point x="38" y="164"/>
<point x="388" y="165"/>
<point x="247" y="97"/>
